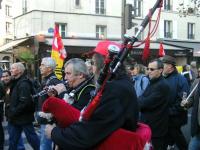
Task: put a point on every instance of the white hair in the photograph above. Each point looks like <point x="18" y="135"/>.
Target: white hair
<point x="49" y="62"/>
<point x="79" y="66"/>
<point x="19" y="66"/>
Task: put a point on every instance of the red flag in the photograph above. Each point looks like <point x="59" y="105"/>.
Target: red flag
<point x="58" y="52"/>
<point x="146" y="51"/>
<point x="161" y="52"/>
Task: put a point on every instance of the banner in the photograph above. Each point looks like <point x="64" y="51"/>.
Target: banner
<point x="58" y="52"/>
<point x="161" y="52"/>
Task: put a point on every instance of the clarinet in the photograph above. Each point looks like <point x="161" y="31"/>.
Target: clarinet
<point x="46" y="90"/>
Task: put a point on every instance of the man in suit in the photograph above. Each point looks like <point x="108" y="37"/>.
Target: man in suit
<point x="153" y="104"/>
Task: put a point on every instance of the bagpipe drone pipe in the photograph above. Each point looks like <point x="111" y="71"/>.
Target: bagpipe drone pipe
<point x="66" y="114"/>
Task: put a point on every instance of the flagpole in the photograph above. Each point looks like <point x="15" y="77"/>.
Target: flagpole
<point x="192" y="92"/>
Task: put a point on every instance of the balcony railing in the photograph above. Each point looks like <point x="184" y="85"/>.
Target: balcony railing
<point x="101" y="11"/>
<point x="168" y="35"/>
<point x="191" y="36"/>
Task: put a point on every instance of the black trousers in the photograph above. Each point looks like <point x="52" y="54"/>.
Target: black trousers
<point x="175" y="136"/>
<point x="1" y="127"/>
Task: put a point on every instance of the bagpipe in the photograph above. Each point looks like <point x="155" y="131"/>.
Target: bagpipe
<point x="113" y="61"/>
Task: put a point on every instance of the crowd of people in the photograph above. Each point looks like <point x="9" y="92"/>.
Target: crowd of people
<point x="149" y="95"/>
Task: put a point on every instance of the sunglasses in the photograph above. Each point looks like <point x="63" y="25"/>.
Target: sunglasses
<point x="152" y="69"/>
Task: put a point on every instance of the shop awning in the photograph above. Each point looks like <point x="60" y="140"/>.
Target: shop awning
<point x="11" y="44"/>
<point x="194" y="45"/>
<point x="93" y="43"/>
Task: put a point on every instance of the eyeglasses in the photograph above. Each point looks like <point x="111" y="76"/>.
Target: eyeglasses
<point x="152" y="69"/>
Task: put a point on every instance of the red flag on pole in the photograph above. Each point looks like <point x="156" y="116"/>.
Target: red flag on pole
<point x="58" y="52"/>
<point x="161" y="52"/>
<point x="146" y="51"/>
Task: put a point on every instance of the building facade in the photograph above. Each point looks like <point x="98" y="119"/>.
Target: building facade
<point x="85" y="22"/>
<point x="179" y="18"/>
<point x="76" y="18"/>
<point x="6" y="29"/>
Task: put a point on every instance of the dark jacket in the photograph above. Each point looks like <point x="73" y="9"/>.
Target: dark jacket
<point x="81" y="94"/>
<point x="2" y="93"/>
<point x="178" y="85"/>
<point x="82" y="97"/>
<point x="21" y="103"/>
<point x="7" y="98"/>
<point x="154" y="106"/>
<point x="118" y="108"/>
<point x="51" y="79"/>
<point x="195" y="126"/>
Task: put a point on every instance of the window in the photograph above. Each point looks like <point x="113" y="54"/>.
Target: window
<point x="24" y="6"/>
<point x="137" y="5"/>
<point x="101" y="32"/>
<point x="191" y="31"/>
<point x="100" y="7"/>
<point x="8" y="11"/>
<point x="167" y="5"/>
<point x="62" y="29"/>
<point x="77" y="3"/>
<point x="8" y="27"/>
<point x="168" y="29"/>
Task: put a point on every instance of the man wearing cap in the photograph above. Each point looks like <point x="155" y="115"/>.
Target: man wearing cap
<point x="118" y="108"/>
<point x="177" y="114"/>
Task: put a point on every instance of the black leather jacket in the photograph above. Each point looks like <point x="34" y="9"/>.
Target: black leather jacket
<point x="21" y="103"/>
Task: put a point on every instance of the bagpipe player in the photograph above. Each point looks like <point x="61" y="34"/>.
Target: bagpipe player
<point x="117" y="110"/>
